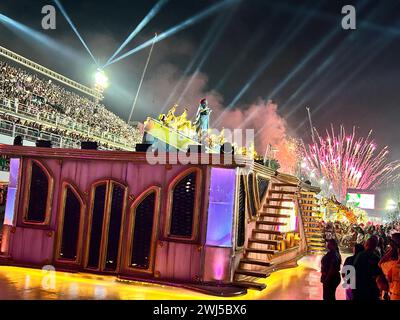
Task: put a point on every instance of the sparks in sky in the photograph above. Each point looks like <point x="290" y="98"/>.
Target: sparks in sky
<point x="349" y="161"/>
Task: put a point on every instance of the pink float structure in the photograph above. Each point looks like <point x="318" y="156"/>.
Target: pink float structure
<point x="213" y="226"/>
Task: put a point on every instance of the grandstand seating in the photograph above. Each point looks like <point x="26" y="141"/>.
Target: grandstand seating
<point x="38" y="109"/>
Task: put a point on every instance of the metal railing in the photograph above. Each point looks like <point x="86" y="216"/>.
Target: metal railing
<point x="12" y="129"/>
<point x="58" y="121"/>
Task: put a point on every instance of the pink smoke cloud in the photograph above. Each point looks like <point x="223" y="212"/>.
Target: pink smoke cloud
<point x="263" y="117"/>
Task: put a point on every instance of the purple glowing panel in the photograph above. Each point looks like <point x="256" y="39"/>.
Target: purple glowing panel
<point x="12" y="191"/>
<point x="221" y="207"/>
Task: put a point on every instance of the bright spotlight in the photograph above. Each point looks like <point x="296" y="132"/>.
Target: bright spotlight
<point x="101" y="80"/>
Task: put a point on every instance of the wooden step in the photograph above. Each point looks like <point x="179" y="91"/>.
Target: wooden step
<point x="282" y="192"/>
<point x="271" y="223"/>
<point x="317" y="219"/>
<point x="262" y="251"/>
<point x="279" y="199"/>
<point x="274" y="215"/>
<point x="311" y="222"/>
<point x="316" y="239"/>
<point x="311" y="246"/>
<point x="316" y="248"/>
<point x="308" y="193"/>
<point x="256" y="262"/>
<point x="249" y="285"/>
<point x="319" y="245"/>
<point x="263" y="241"/>
<point x="311" y="216"/>
<point x="313" y="199"/>
<point x="309" y="204"/>
<point x="252" y="273"/>
<point x="309" y="219"/>
<point x="284" y="184"/>
<point x="308" y="201"/>
<point x="313" y="228"/>
<point x="274" y="232"/>
<point x="313" y="233"/>
<point x="316" y="245"/>
<point x="271" y="206"/>
<point x="310" y="211"/>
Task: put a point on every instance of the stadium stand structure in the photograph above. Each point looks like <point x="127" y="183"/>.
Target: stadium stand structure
<point x="37" y="108"/>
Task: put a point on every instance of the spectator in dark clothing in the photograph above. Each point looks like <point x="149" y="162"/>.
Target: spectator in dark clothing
<point x="358" y="248"/>
<point x="18" y="141"/>
<point x="330" y="270"/>
<point x="367" y="272"/>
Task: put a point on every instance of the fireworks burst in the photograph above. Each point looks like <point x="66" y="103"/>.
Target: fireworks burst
<point x="347" y="161"/>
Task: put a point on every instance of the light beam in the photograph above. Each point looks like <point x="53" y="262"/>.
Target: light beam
<point x="338" y="54"/>
<point x="290" y="32"/>
<point x="159" y="5"/>
<point x="74" y="29"/>
<point x="222" y="21"/>
<point x="170" y="32"/>
<point x="199" y="53"/>
<point x="38" y="37"/>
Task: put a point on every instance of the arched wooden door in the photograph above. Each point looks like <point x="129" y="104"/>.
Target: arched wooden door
<point x="104" y="232"/>
<point x="142" y="231"/>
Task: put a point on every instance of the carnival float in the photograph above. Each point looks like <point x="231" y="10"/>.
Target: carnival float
<point x="130" y="215"/>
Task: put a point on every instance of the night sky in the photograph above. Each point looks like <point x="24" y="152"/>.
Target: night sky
<point x="295" y="51"/>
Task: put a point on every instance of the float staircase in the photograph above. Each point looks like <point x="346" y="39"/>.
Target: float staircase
<point x="265" y="238"/>
<point x="312" y="217"/>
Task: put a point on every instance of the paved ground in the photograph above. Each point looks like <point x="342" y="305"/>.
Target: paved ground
<point x="298" y="283"/>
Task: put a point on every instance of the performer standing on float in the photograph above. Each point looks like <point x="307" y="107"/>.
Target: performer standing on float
<point x="202" y="119"/>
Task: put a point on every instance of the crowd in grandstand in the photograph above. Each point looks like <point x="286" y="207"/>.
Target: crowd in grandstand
<point x="52" y="101"/>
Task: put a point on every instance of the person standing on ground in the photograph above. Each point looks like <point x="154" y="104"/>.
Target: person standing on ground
<point x="389" y="260"/>
<point x="367" y="272"/>
<point x="330" y="270"/>
<point x="358" y="248"/>
<point x="394" y="279"/>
